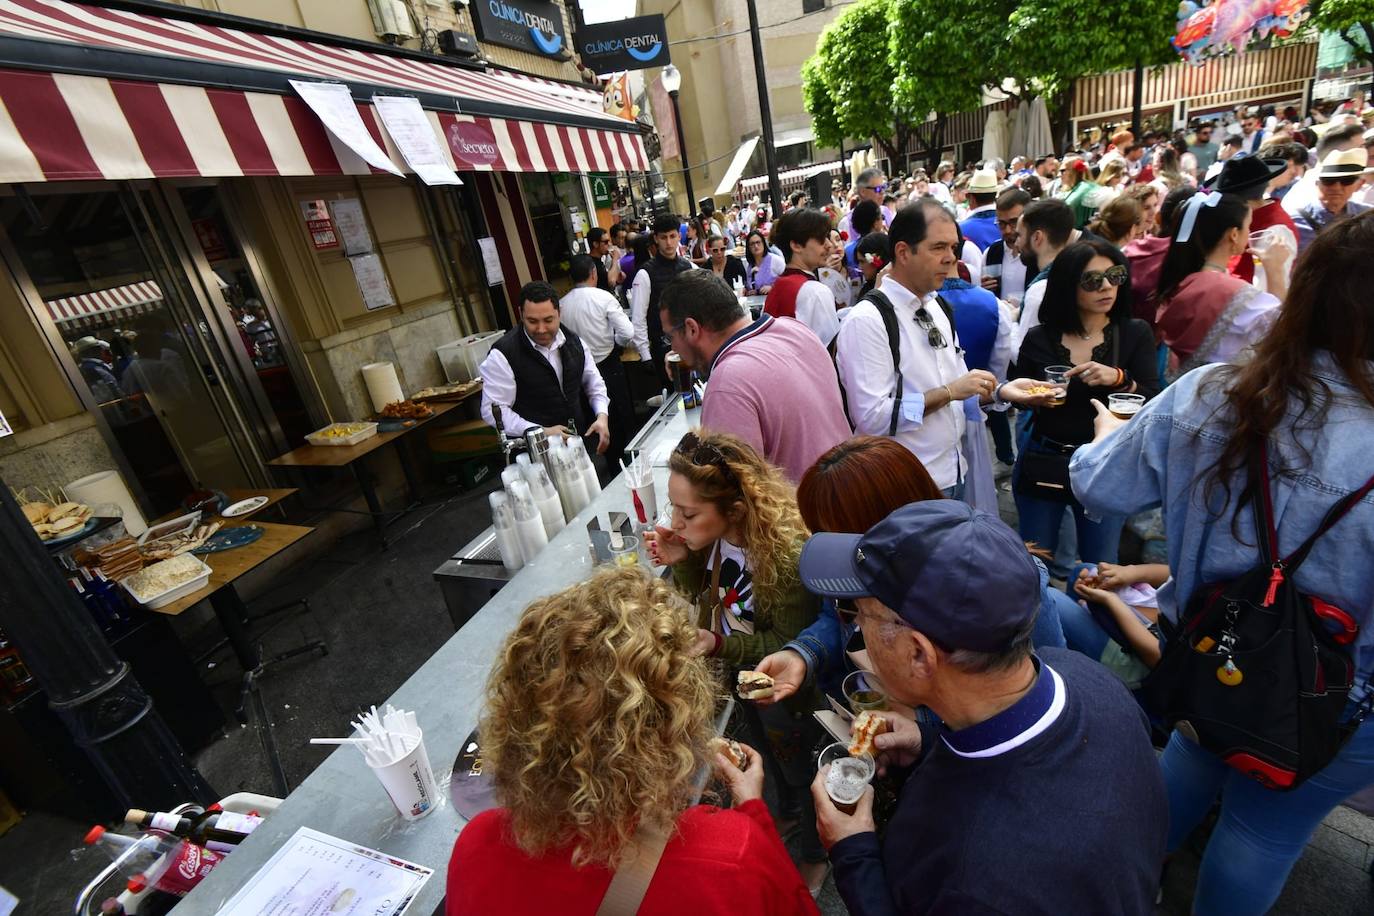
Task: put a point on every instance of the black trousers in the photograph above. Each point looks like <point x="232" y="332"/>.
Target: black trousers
<point x="621" y="413"/>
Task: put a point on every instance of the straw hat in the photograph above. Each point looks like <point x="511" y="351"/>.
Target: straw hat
<point x="984" y="181"/>
<point x="1344" y="163"/>
<point x="95" y="343"/>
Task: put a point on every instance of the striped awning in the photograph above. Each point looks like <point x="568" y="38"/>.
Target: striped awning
<point x="103" y="304"/>
<point x="88" y="92"/>
<point x="792" y="179"/>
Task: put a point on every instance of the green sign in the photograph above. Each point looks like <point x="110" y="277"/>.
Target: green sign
<point x="603" y="188"/>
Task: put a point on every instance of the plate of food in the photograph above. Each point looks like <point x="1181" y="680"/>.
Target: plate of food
<point x="451" y="392"/>
<point x="60" y="523"/>
<point x="406" y="410"/>
<point x="342" y="434"/>
<point x="245" y="507"/>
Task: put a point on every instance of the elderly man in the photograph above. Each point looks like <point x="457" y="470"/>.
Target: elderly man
<point x="871" y="185"/>
<point x="1339" y="176"/>
<point x="946" y="597"/>
<point x="540" y="374"/>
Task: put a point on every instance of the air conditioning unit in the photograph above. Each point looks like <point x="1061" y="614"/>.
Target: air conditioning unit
<point x="460" y="44"/>
<point x="391" y="19"/>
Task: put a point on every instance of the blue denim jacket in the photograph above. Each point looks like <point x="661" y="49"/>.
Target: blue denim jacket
<point x="1162" y="456"/>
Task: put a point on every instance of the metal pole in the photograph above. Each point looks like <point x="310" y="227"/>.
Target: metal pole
<point x="770" y="155"/>
<point x="92" y="691"/>
<point x="682" y="157"/>
<point x="1137" y="99"/>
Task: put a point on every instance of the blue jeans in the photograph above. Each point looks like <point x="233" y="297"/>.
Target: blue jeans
<point x="1040" y="520"/>
<point x="1261" y="833"/>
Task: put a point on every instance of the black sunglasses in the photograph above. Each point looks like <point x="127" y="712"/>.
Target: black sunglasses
<point x="1344" y="182"/>
<point x="846" y="611"/>
<point x="705" y="455"/>
<point x="927" y="324"/>
<point x="1091" y="280"/>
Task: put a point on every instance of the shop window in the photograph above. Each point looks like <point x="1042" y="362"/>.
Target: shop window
<point x="812" y="6"/>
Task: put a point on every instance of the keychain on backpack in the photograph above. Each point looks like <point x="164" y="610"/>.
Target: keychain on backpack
<point x="1228" y="673"/>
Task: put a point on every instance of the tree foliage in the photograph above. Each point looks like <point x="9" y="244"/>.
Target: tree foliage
<point x="1352" y="20"/>
<point x="847" y="83"/>
<point x="1053" y="43"/>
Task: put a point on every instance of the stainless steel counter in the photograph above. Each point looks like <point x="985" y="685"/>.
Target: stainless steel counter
<point x="343" y="798"/>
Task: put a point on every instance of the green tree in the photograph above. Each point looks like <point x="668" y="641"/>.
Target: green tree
<point x="1352" y="20"/>
<point x="847" y="82"/>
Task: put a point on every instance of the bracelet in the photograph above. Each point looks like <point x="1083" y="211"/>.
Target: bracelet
<point x="715" y="650"/>
<point x="1120" y="377"/>
<point x="997" y="393"/>
<point x="949" y="394"/>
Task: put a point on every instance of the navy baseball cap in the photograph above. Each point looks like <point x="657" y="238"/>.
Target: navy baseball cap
<point x="957" y="574"/>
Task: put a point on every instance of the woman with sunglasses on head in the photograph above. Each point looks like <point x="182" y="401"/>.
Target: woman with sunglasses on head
<point x="734" y="545"/>
<point x="1204" y="314"/>
<point x="765" y="264"/>
<point x="849" y="489"/>
<point x="1086" y="332"/>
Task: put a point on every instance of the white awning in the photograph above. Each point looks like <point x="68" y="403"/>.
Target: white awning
<point x="103" y="304"/>
<point x="736" y="169"/>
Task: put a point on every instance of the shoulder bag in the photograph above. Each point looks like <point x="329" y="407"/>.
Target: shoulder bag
<point x="631" y="880"/>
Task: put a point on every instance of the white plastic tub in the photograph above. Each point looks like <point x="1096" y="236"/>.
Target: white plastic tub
<point x="318" y="438"/>
<point x="153" y="602"/>
<point x="461" y="358"/>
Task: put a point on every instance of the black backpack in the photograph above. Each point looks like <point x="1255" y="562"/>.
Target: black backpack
<point x="1256" y="671"/>
<point x="888" y="312"/>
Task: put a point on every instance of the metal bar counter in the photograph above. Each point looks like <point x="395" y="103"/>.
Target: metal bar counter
<point x="343" y="798"/>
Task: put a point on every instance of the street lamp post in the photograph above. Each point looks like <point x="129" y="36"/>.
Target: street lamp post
<point x="672" y="82"/>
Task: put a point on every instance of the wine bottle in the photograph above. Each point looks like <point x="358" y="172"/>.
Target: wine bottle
<point x="215" y="829"/>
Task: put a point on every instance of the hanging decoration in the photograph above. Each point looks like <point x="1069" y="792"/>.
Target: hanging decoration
<point x="1210" y="29"/>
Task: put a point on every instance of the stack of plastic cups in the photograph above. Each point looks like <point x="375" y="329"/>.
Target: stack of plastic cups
<point x="509" y="473"/>
<point x="503" y="521"/>
<point x="567" y="477"/>
<point x="545" y="498"/>
<point x="529" y="525"/>
<point x="584" y="464"/>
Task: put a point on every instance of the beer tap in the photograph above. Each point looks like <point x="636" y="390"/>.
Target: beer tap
<point x="509" y="446"/>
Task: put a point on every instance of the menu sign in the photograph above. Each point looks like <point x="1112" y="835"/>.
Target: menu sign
<point x="535" y="26"/>
<point x="333" y="104"/>
<point x="629" y="44"/>
<point x="413" y="135"/>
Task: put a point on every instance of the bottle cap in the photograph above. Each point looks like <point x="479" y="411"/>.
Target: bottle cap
<point x="215" y="808"/>
<point x="94" y="834"/>
<point x="137" y="884"/>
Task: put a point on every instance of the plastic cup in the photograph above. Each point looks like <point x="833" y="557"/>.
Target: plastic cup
<point x="627" y="554"/>
<point x="409" y="779"/>
<point x="846" y="775"/>
<point x="1124" y="406"/>
<point x="1058" y="377"/>
<point x="864" y="691"/>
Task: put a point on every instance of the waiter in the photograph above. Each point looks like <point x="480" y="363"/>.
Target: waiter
<point x="646" y="290"/>
<point x="540" y="375"/>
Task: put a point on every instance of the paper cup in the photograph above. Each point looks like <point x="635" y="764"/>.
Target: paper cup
<point x="409" y="780"/>
<point x="648" y="498"/>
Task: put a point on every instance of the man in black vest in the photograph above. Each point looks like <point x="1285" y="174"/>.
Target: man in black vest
<point x="540" y="375"/>
<point x="648" y="286"/>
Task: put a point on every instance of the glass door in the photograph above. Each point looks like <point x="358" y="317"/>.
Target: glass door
<point x="123" y="313"/>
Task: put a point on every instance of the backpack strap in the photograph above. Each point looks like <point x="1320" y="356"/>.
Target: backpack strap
<point x="1267" y="529"/>
<point x="894" y="344"/>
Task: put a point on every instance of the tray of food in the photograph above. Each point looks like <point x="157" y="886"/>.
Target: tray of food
<point x="454" y="392"/>
<point x="342" y="434"/>
<point x="58" y="523"/>
<point x="171" y="528"/>
<point x="183" y="541"/>
<point x="406" y="410"/>
<point x="162" y="583"/>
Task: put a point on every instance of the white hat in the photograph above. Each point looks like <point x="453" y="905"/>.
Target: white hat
<point x="984" y="181"/>
<point x="90" y="343"/>
<point x="1344" y="163"/>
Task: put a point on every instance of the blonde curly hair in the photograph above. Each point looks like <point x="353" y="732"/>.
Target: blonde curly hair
<point x="741" y="481"/>
<point x="598" y="717"/>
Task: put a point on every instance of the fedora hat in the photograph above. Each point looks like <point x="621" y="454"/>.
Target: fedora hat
<point x="1247" y="176"/>
<point x="984" y="181"/>
<point x="1344" y="163"/>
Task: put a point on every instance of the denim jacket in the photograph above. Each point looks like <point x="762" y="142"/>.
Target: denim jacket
<point x="1162" y="456"/>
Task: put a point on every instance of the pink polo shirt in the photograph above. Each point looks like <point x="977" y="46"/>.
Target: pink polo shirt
<point x="775" y="387"/>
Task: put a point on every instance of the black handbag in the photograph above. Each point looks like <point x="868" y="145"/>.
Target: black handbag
<point x="1256" y="671"/>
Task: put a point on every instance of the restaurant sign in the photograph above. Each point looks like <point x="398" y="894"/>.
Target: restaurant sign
<point x="628" y="44"/>
<point x="472" y="143"/>
<point x="526" y="25"/>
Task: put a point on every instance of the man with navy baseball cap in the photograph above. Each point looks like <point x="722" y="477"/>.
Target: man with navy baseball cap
<point x="1041" y="772"/>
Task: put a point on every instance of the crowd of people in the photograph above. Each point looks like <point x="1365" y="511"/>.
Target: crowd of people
<point x="1166" y="323"/>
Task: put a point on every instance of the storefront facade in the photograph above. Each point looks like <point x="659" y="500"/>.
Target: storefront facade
<point x="196" y="268"/>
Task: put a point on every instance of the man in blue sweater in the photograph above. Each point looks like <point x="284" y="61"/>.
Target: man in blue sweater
<point x="1040" y="793"/>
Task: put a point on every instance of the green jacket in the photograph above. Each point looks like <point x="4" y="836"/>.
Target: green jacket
<point x="780" y="613"/>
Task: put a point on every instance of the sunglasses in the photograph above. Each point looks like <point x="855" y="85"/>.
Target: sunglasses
<point x="1343" y="182"/>
<point x="876" y="188"/>
<point x="1091" y="280"/>
<point x="926" y="323"/>
<point x="846" y="611"/>
<point x="705" y="455"/>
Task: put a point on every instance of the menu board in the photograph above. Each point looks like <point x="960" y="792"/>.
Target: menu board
<point x="413" y="134"/>
<point x="315" y="873"/>
<point x="372" y="281"/>
<point x="352" y="225"/>
<point x="333" y="104"/>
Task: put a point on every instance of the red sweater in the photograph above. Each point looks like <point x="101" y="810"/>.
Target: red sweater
<point x="719" y="861"/>
<point x="782" y="298"/>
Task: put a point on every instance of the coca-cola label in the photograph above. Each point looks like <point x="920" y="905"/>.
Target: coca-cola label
<point x="473" y="143"/>
<point x="187" y="865"/>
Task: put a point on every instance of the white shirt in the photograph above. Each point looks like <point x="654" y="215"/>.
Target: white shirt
<point x="816" y="310"/>
<point x="887" y="213"/>
<point x="865" y="367"/>
<point x="972" y="256"/>
<point x="1013" y="277"/>
<point x="639" y="310"/>
<point x="498" y="385"/>
<point x="595" y="316"/>
<point x="1004" y="345"/>
<point x="1030" y="311"/>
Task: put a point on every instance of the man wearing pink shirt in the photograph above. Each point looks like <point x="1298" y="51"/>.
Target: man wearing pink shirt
<point x="770" y="381"/>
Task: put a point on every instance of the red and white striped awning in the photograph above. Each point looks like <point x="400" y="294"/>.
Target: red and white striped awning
<point x="88" y="92"/>
<point x="103" y="304"/>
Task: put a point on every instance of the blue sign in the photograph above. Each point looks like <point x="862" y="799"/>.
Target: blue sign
<point x="526" y="25"/>
<point x="630" y="44"/>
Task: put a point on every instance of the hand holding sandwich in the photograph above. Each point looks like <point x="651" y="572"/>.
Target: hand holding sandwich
<point x="788" y="671"/>
<point x="745" y="784"/>
<point x="900" y="746"/>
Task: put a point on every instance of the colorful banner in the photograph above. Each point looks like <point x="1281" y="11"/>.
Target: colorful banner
<point x="1221" y="26"/>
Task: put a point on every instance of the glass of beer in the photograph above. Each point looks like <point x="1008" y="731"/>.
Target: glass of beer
<point x="1125" y="406"/>
<point x="846" y="776"/>
<point x="864" y="691"/>
<point x="1058" y="377"/>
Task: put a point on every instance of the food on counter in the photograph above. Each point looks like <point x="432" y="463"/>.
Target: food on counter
<point x="753" y="685"/>
<point x="174" y="545"/>
<point x="164" y="576"/>
<point x="455" y="391"/>
<point x="867" y="726"/>
<point x="341" y="430"/>
<point x="117" y="560"/>
<point x="406" y="410"/>
<point x="51" y="522"/>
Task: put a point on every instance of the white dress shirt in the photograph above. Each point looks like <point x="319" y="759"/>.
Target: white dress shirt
<point x="639" y="310"/>
<point x="1030" y="310"/>
<point x="816" y="309"/>
<point x="498" y="385"/>
<point x="595" y="316"/>
<point x="972" y="256"/>
<point x="865" y="367"/>
<point x="1013" y="277"/>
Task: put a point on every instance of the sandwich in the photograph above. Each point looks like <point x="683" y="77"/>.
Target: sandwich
<point x="867" y="726"/>
<point x="754" y="685"/>
<point x="732" y="751"/>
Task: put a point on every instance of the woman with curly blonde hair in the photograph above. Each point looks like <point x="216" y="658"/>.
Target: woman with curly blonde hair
<point x="734" y="545"/>
<point x="597" y="730"/>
